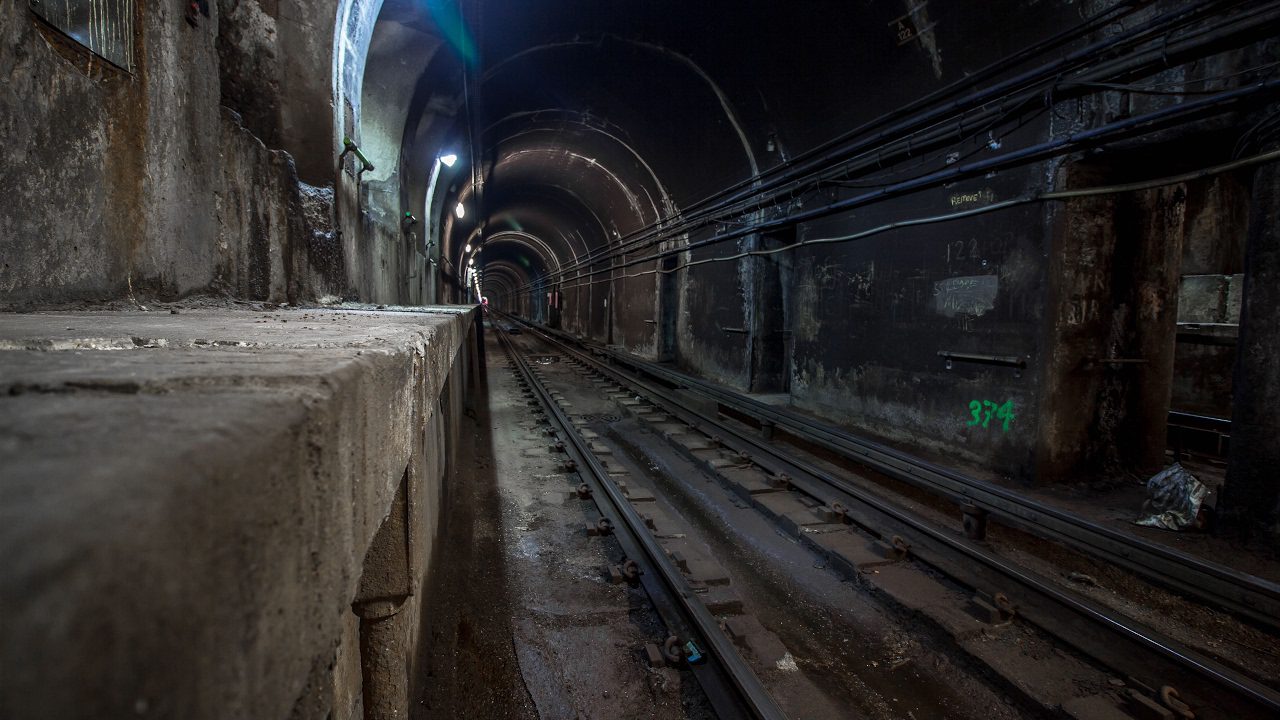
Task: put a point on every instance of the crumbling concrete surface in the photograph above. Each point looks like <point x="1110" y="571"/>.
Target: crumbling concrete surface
<point x="144" y="181"/>
<point x="188" y="503"/>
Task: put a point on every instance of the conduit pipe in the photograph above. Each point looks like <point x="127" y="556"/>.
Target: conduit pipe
<point x="1041" y="151"/>
<point x="1183" y="50"/>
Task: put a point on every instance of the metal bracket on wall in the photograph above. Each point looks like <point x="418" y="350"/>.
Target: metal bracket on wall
<point x="349" y="146"/>
<point x="1017" y="362"/>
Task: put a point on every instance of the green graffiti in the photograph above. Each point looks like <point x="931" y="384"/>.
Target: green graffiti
<point x="984" y="410"/>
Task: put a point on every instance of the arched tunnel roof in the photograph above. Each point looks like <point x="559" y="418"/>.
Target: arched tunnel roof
<point x="583" y="129"/>
<point x="580" y="123"/>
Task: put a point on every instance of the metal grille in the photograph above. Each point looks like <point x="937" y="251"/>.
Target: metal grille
<point x="105" y="27"/>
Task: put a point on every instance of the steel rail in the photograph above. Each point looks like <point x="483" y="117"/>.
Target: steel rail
<point x="1252" y="598"/>
<point x="728" y="681"/>
<point x="1113" y="639"/>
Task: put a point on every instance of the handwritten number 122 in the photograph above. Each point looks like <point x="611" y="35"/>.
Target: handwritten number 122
<point x="983" y="412"/>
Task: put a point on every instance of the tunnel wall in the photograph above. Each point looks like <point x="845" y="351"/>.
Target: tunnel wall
<point x="113" y="174"/>
<point x="274" y="234"/>
<point x="1047" y="311"/>
<point x="172" y="179"/>
<point x="863" y="323"/>
<point x="711" y="318"/>
<point x="871" y="320"/>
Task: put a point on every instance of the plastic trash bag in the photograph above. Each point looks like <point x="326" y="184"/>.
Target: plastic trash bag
<point x="1173" y="499"/>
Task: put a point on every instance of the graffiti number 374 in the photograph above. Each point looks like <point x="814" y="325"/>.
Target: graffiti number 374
<point x="985" y="410"/>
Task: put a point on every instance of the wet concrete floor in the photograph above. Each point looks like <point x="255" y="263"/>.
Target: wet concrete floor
<point x="524" y="621"/>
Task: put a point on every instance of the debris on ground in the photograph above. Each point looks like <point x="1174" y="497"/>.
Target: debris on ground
<point x="1083" y="579"/>
<point x="1174" y="498"/>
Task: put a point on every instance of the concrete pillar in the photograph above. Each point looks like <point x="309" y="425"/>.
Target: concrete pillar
<point x="1157" y="263"/>
<point x="384" y="659"/>
<point x="385" y="586"/>
<point x="1251" y="498"/>
<point x="479" y="371"/>
<point x="668" y="307"/>
<point x="1111" y="325"/>
<point x="766" y="279"/>
<point x="1077" y="324"/>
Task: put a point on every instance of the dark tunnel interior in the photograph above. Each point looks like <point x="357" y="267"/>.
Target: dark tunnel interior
<point x="308" y="308"/>
<point x="702" y="187"/>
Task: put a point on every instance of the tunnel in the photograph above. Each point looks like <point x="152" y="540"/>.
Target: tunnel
<point x="373" y="359"/>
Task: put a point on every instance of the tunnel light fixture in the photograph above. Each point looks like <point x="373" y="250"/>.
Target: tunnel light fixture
<point x="460" y="211"/>
<point x="467" y="248"/>
<point x="449" y="159"/>
<point x="472" y="261"/>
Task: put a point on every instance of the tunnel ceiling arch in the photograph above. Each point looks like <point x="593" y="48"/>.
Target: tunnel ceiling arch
<point x="569" y="109"/>
<point x="589" y="121"/>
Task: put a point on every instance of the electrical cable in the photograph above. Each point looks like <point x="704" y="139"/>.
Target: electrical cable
<point x="1022" y="122"/>
<point x="1041" y="151"/>
<point x="1184" y="50"/>
<point x="1091" y="24"/>
<point x="1154" y="88"/>
<point x="1057" y="195"/>
<point x="1258" y="132"/>
<point x="985" y="97"/>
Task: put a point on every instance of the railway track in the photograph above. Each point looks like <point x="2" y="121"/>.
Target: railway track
<point x="1245" y="596"/>
<point x="696" y="639"/>
<point x="1157" y="671"/>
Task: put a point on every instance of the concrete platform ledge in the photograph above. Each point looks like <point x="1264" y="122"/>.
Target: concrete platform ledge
<point x="202" y="513"/>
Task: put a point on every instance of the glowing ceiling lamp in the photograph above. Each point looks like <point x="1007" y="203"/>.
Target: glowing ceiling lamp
<point x="460" y="211"/>
<point x="448" y="160"/>
<point x="467" y="248"/>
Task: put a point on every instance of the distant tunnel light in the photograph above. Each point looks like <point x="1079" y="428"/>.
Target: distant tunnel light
<point x="448" y="160"/>
<point x="472" y="261"/>
<point x="460" y="211"/>
<point x="467" y="249"/>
